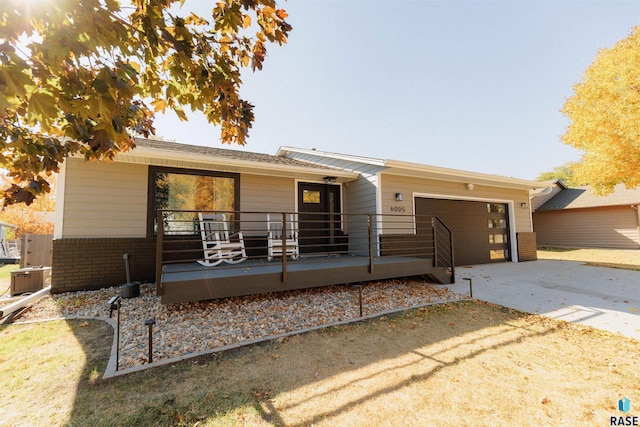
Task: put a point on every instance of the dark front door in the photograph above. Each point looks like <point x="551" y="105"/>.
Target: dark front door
<point x="480" y="229"/>
<point x="319" y="217"/>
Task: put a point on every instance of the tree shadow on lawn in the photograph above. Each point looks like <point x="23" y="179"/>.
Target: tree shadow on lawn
<point x="315" y="376"/>
<point x="45" y="365"/>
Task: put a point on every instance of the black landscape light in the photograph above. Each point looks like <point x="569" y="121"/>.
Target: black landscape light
<point x="150" y="322"/>
<point x="114" y="304"/>
<point x="359" y="287"/>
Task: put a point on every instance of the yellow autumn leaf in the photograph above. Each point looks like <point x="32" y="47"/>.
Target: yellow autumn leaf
<point x="159" y="105"/>
<point x="42" y="109"/>
<point x="605" y="117"/>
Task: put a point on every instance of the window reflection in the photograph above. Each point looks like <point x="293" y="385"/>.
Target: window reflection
<point x="497" y="223"/>
<point x="310" y="196"/>
<point x="497" y="238"/>
<point x="496" y="208"/>
<point x="185" y="192"/>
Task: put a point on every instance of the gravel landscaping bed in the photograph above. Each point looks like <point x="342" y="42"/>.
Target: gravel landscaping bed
<point x="199" y="326"/>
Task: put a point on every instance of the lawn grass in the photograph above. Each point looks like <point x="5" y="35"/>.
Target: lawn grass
<point x="465" y="363"/>
<point x="44" y="366"/>
<point x="5" y="277"/>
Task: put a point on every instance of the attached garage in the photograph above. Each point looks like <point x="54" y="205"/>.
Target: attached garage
<point x="489" y="215"/>
<point x="481" y="232"/>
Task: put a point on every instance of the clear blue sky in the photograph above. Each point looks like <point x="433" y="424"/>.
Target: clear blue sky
<point x="474" y="85"/>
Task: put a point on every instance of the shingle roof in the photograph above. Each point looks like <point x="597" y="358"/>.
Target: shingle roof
<point x="417" y="170"/>
<point x="225" y="153"/>
<point x="582" y="197"/>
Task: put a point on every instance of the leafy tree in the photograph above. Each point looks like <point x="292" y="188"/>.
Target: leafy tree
<point x="83" y="76"/>
<point x="32" y="219"/>
<point x="563" y="172"/>
<point x="605" y="118"/>
<point x="27" y="220"/>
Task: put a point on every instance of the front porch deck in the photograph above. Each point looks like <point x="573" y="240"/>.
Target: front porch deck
<point x="331" y="250"/>
<point x="190" y="281"/>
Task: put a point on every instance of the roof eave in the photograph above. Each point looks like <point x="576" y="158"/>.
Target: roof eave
<point x="283" y="151"/>
<point x="456" y="175"/>
<point x="569" y="208"/>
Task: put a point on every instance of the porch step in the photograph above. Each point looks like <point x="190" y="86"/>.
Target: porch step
<point x="442" y="275"/>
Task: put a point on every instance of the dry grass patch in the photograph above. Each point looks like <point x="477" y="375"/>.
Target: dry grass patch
<point x="5" y="278"/>
<point x="612" y="258"/>
<point x="466" y="363"/>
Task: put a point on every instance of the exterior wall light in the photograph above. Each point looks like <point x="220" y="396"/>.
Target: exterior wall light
<point x="399" y="197"/>
<point x="523" y="205"/>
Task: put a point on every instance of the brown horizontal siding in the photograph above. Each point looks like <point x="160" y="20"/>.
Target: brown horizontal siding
<point x="611" y="227"/>
<point x="406" y="245"/>
<point x="93" y="263"/>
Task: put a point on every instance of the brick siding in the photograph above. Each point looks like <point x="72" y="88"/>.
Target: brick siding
<point x="527" y="247"/>
<point x="83" y="264"/>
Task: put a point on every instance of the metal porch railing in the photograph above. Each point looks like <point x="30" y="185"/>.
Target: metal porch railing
<point x="320" y="236"/>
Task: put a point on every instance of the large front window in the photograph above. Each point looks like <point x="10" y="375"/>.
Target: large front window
<point x="180" y="191"/>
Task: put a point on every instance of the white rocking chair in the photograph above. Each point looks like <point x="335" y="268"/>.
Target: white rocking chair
<point x="276" y="242"/>
<point x="216" y="241"/>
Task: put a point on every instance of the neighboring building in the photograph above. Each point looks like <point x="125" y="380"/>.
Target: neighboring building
<point x="107" y="209"/>
<point x="575" y="217"/>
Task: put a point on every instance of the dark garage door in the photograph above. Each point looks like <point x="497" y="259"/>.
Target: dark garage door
<point x="480" y="229"/>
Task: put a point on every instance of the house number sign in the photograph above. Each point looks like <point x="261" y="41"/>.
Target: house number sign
<point x="397" y="209"/>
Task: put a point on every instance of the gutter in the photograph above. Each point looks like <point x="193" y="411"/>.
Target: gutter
<point x="456" y="175"/>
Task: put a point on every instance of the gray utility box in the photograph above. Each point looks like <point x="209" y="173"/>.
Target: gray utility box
<point x="30" y="279"/>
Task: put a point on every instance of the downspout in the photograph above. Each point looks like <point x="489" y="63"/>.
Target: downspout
<point x="378" y="215"/>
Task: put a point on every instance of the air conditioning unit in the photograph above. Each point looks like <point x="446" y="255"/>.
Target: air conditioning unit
<point x="30" y="279"/>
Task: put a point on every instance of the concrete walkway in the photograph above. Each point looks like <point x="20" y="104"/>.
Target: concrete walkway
<point x="605" y="298"/>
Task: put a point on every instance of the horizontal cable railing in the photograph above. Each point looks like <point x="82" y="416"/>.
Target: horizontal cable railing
<point x="443" y="246"/>
<point x="312" y="237"/>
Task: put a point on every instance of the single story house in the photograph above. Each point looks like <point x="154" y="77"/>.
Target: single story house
<point x="575" y="217"/>
<point x="145" y="201"/>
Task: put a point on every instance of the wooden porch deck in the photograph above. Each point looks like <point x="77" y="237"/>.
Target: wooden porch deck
<point x="182" y="282"/>
<point x="334" y="249"/>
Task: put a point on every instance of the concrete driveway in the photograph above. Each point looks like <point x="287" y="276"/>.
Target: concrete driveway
<point x="605" y="298"/>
